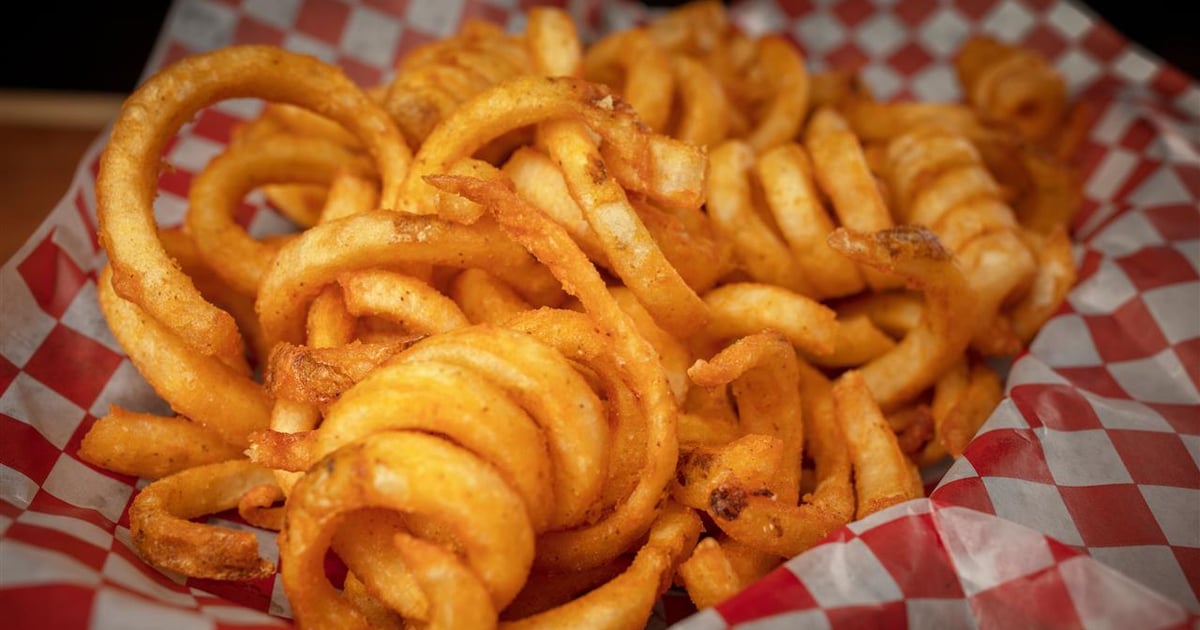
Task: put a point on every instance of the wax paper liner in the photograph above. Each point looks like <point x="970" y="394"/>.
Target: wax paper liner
<point x="1077" y="505"/>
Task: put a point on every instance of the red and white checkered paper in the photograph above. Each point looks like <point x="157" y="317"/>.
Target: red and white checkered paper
<point x="1078" y="505"/>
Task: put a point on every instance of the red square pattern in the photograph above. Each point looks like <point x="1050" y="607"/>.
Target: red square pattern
<point x="1154" y="267"/>
<point x="1039" y="5"/>
<point x="1095" y="379"/>
<point x="396" y="8"/>
<point x="1156" y="458"/>
<point x="89" y="222"/>
<point x="1103" y="42"/>
<point x="52" y="276"/>
<point x="25" y="450"/>
<point x="58" y="606"/>
<point x="251" y="31"/>
<point x="1170" y="81"/>
<point x="1012" y="453"/>
<point x="1143" y="170"/>
<point x="1183" y="418"/>
<point x="780" y="591"/>
<point x="244" y="214"/>
<point x="921" y="565"/>
<point x="1190" y="176"/>
<point x="886" y="615"/>
<point x="1088" y="266"/>
<point x="1046" y="41"/>
<point x="59" y="542"/>
<point x="1189" y="561"/>
<point x="175" y="181"/>
<point x="914" y="12"/>
<point x="1058" y="407"/>
<point x="796" y="8"/>
<point x="969" y="493"/>
<point x="8" y="372"/>
<point x="1139" y="135"/>
<point x="73" y="365"/>
<point x="49" y="504"/>
<point x="974" y="9"/>
<point x="909" y="58"/>
<point x="1090" y="154"/>
<point x="1129" y="333"/>
<point x="852" y="12"/>
<point x="1112" y="515"/>
<point x="323" y="20"/>
<point x="1175" y="223"/>
<point x="1189" y="356"/>
<point x="1009" y="605"/>
<point x="215" y="125"/>
<point x="1102" y="89"/>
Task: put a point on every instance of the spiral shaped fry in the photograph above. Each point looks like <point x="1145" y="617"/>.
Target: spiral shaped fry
<point x="1012" y="85"/>
<point x="939" y="180"/>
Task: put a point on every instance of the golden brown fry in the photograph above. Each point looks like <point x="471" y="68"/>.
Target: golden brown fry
<point x="198" y="386"/>
<point x="150" y="446"/>
<point x="672" y="537"/>
<point x="780" y="66"/>
<point x="257" y="506"/>
<point x="130" y="166"/>
<point x="744" y="308"/>
<point x="947" y="322"/>
<point x="377" y="615"/>
<point x="1055" y="276"/>
<point x="1012" y="85"/>
<point x="704" y="117"/>
<point x="982" y="394"/>
<point x="858" y="342"/>
<point x="665" y="170"/>
<point x="786" y="176"/>
<point x="762" y="373"/>
<point x="348" y="194"/>
<point x="761" y="253"/>
<point x="752" y="462"/>
<point x="893" y="312"/>
<point x="632" y="253"/>
<point x="417" y="307"/>
<point x="554" y="47"/>
<point x="317" y="375"/>
<point x="632" y="64"/>
<point x="598" y="543"/>
<point x="544" y="591"/>
<point x="384" y="471"/>
<point x="770" y="526"/>
<point x="214" y="197"/>
<point x="840" y="169"/>
<point x="485" y="299"/>
<point x="708" y="575"/>
<point x="361" y="541"/>
<point x="160" y="514"/>
<point x="883" y="475"/>
<point x="372" y="239"/>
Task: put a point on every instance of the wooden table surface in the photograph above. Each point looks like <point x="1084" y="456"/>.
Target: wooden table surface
<point x="42" y="138"/>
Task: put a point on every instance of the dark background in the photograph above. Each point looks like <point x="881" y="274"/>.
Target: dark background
<point x="103" y="46"/>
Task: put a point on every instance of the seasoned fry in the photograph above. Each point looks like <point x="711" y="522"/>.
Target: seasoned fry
<point x="883" y="476"/>
<point x="510" y="374"/>
<point x="150" y="446"/>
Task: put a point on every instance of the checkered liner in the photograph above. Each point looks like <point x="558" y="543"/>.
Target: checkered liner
<point x="1077" y="505"/>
